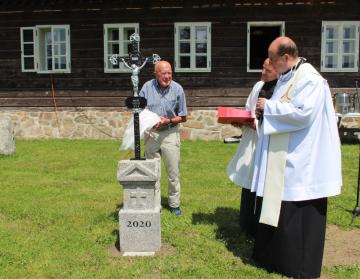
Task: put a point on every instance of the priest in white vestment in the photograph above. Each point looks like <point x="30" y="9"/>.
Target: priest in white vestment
<point x="241" y="167"/>
<point x="297" y="166"/>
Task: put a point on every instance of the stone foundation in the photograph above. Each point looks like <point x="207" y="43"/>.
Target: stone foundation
<point x="350" y="129"/>
<point x="104" y="123"/>
<point x="110" y="123"/>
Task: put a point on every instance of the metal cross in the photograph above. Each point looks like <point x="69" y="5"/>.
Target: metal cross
<point x="135" y="62"/>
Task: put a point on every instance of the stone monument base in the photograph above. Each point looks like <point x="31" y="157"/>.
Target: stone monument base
<point x="139" y="218"/>
<point x="139" y="231"/>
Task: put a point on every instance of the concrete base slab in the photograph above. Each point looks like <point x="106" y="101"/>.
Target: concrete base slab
<point x="138" y="254"/>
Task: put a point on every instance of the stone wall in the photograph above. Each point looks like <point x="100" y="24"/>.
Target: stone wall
<point x="100" y="123"/>
<point x="350" y="129"/>
<point x="107" y="123"/>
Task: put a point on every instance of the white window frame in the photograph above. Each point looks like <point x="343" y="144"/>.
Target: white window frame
<point x="23" y="43"/>
<point x="340" y="53"/>
<point x="192" y="55"/>
<point x="250" y="24"/>
<point x="40" y="53"/>
<point x="121" y="41"/>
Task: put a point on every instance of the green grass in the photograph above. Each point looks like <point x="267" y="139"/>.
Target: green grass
<point x="59" y="201"/>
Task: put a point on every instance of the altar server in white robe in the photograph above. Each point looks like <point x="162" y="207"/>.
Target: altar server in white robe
<point x="241" y="167"/>
<point x="297" y="166"/>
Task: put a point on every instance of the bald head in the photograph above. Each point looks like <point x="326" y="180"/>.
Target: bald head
<point x="163" y="73"/>
<point x="283" y="54"/>
<point x="284" y="45"/>
<point x="160" y="65"/>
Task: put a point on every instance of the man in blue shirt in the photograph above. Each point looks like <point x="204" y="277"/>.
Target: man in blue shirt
<point x="166" y="98"/>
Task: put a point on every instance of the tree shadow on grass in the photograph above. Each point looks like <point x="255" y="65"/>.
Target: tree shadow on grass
<point x="228" y="231"/>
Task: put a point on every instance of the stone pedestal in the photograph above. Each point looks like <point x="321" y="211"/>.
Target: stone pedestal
<point x="139" y="218"/>
<point x="7" y="140"/>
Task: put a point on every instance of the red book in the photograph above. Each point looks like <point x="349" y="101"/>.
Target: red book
<point x="228" y="115"/>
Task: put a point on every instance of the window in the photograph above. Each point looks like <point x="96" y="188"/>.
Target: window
<point x="340" y="46"/>
<point x="193" y="47"/>
<point x="27" y="49"/>
<point x="259" y="37"/>
<point x="45" y="49"/>
<point x="117" y="41"/>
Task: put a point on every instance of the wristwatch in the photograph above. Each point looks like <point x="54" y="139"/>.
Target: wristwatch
<point x="170" y="121"/>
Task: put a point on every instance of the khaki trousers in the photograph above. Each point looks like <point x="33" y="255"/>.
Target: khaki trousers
<point x="166" y="144"/>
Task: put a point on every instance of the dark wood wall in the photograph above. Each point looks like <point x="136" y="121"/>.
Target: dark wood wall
<point x="88" y="85"/>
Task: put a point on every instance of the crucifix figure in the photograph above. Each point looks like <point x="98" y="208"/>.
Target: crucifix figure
<point x="135" y="75"/>
<point x="135" y="62"/>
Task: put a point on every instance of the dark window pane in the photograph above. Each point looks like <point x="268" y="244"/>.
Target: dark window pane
<point x="56" y="35"/>
<point x="331" y="47"/>
<point x="201" y="48"/>
<point x="116" y="66"/>
<point x="113" y="34"/>
<point x="57" y="63"/>
<point x="49" y="51"/>
<point x="349" y="32"/>
<point x="48" y="38"/>
<point x="62" y="34"/>
<point x="29" y="63"/>
<point x="49" y="64"/>
<point x="184" y="33"/>
<point x="28" y="49"/>
<point x="56" y="49"/>
<point x="127" y="48"/>
<point x="128" y="32"/>
<point x="348" y="61"/>
<point x="28" y="36"/>
<point x="260" y="39"/>
<point x="113" y="48"/>
<point x="62" y="48"/>
<point x="330" y="62"/>
<point x="59" y="34"/>
<point x="349" y="46"/>
<point x="331" y="32"/>
<point x="63" y="62"/>
<point x="184" y="48"/>
<point x="184" y="62"/>
<point x="201" y="61"/>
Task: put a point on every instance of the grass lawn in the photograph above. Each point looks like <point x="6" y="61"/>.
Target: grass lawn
<point x="59" y="202"/>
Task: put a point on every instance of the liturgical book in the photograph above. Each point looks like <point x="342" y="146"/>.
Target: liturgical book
<point x="228" y="115"/>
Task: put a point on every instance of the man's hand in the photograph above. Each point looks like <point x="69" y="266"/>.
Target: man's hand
<point x="260" y="104"/>
<point x="163" y="122"/>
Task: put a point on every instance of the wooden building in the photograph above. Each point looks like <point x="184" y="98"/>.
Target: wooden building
<point x="233" y="27"/>
<point x="59" y="50"/>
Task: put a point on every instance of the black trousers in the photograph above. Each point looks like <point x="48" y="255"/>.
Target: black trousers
<point x="295" y="248"/>
<point x="248" y="222"/>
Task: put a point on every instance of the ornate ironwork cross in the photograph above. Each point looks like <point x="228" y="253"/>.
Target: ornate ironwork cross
<point x="135" y="62"/>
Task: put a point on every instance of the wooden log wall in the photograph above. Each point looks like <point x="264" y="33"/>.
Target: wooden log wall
<point x="87" y="85"/>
